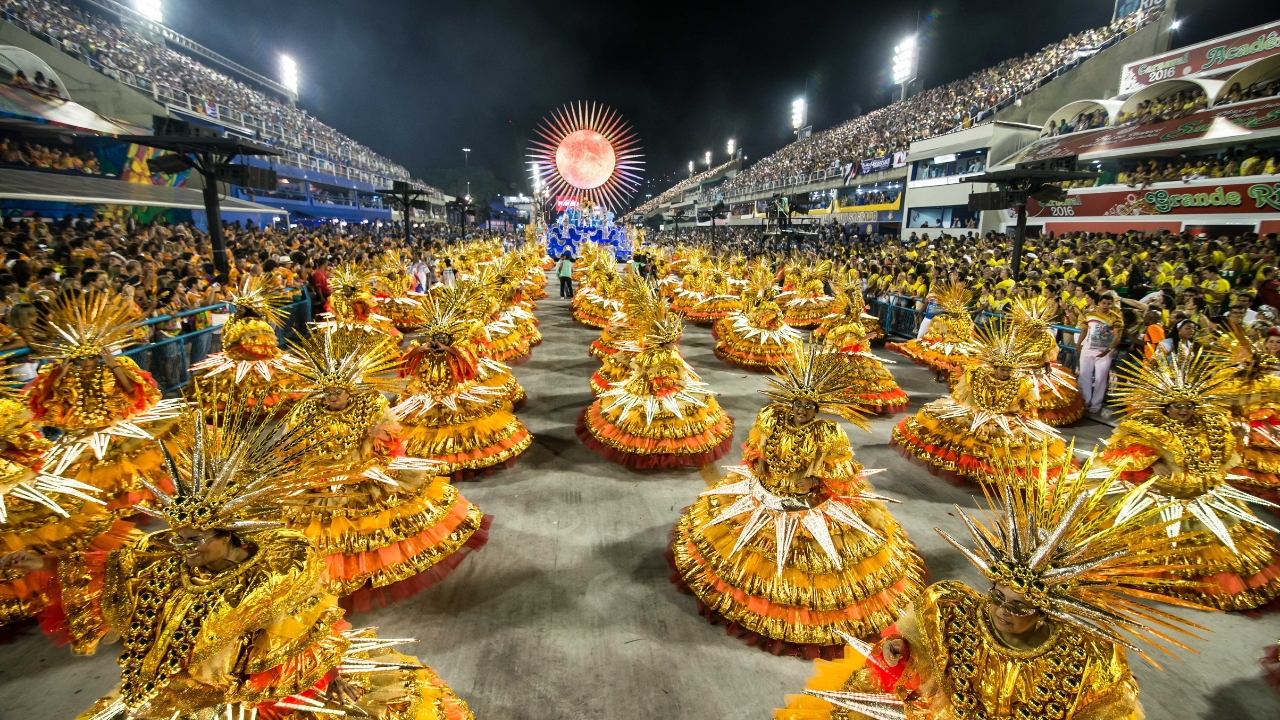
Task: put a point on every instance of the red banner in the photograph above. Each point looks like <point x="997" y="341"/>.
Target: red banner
<point x="1244" y="120"/>
<point x="566" y="202"/>
<point x="1207" y="58"/>
<point x="1204" y="197"/>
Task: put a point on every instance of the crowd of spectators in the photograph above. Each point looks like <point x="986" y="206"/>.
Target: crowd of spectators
<point x="1082" y="121"/>
<point x="675" y="191"/>
<point x="123" y="54"/>
<point x="16" y="153"/>
<point x="1169" y="107"/>
<point x="933" y="112"/>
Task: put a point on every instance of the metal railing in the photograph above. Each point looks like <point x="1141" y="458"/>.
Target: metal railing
<point x="169" y="360"/>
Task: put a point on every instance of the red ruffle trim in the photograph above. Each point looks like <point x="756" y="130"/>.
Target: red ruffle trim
<point x="466" y="474"/>
<point x="1064" y="415"/>
<point x="368" y="597"/>
<point x="518" y="360"/>
<point x="654" y="461"/>
<point x="808" y="651"/>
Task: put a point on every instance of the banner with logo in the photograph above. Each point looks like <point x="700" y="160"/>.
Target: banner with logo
<point x="1212" y="56"/>
<point x="900" y="158"/>
<point x="1248" y="121"/>
<point x="1205" y="197"/>
<point x="876" y="164"/>
<point x="566" y="202"/>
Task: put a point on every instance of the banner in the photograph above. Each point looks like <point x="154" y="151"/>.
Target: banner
<point x="1246" y="120"/>
<point x="876" y="164"/>
<point x="1209" y="57"/>
<point x="566" y="202"/>
<point x="1124" y="8"/>
<point x="900" y="158"/>
<point x="1206" y="197"/>
<point x="850" y="172"/>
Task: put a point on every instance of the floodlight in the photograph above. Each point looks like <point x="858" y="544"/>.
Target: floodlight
<point x="731" y="147"/>
<point x="690" y="167"/>
<point x="289" y="73"/>
<point x="707" y="158"/>
<point x="1175" y="24"/>
<point x="149" y="9"/>
<point x="797" y="113"/>
<point x="904" y="61"/>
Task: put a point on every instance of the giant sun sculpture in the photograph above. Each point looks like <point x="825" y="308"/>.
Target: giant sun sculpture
<point x="587" y="151"/>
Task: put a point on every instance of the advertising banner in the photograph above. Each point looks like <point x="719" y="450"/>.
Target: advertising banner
<point x="566" y="202"/>
<point x="1243" y="120"/>
<point x="900" y="158"/>
<point x="1176" y="199"/>
<point x="877" y="164"/>
<point x="1212" y="56"/>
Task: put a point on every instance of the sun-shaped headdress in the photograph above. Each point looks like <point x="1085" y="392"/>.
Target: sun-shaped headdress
<point x="954" y="297"/>
<point x="1031" y="312"/>
<point x="350" y="277"/>
<point x="85" y="326"/>
<point x="263" y="297"/>
<point x="820" y="376"/>
<point x="1182" y="376"/>
<point x="354" y="361"/>
<point x="233" y="468"/>
<point x="1250" y="359"/>
<point x="1082" y="555"/>
<point x="1000" y="343"/>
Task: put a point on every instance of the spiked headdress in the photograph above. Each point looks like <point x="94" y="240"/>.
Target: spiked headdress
<point x="261" y="295"/>
<point x="820" y="376"/>
<point x="233" y="468"/>
<point x="349" y="277"/>
<point x="449" y="314"/>
<point x="1166" y="379"/>
<point x="1079" y="555"/>
<point x="85" y="326"/>
<point x="1249" y="358"/>
<point x="356" y="362"/>
<point x="953" y="297"/>
<point x="1032" y="312"/>
<point x="648" y="313"/>
<point x="1001" y="344"/>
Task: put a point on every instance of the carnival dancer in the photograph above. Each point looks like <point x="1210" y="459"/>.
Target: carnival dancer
<point x="661" y="416"/>
<point x="222" y="613"/>
<point x="391" y="526"/>
<point x="718" y="300"/>
<point x="834" y="561"/>
<point x="42" y="513"/>
<point x="941" y="347"/>
<point x="474" y="295"/>
<point x="109" y="411"/>
<point x="756" y="337"/>
<point x="988" y="423"/>
<point x="808" y="303"/>
<point x="1070" y="577"/>
<point x="599" y="297"/>
<point x="534" y="284"/>
<point x="1059" y="400"/>
<point x="393" y="287"/>
<point x="1177" y="433"/>
<point x="449" y="414"/>
<point x="845" y="331"/>
<point x="512" y="329"/>
<point x="1254" y="391"/>
<point x="692" y="288"/>
<point x="251" y="359"/>
<point x="352" y="305"/>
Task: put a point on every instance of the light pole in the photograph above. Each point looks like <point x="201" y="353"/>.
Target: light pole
<point x="797" y="116"/>
<point x="466" y="154"/>
<point x="707" y="159"/>
<point x="905" y="55"/>
<point x="730" y="148"/>
<point x="690" y="168"/>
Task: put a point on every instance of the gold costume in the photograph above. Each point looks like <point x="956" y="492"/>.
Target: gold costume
<point x="1228" y="549"/>
<point x="835" y="561"/>
<point x="756" y="337"/>
<point x="845" y="331"/>
<point x="987" y="425"/>
<point x="718" y="299"/>
<point x="394" y="527"/>
<point x="1058" y="399"/>
<point x="942" y="347"/>
<point x="807" y="303"/>
<point x="1254" y="391"/>
<point x="352" y="305"/>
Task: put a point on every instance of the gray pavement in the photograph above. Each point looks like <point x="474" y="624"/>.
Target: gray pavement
<point x="568" y="613"/>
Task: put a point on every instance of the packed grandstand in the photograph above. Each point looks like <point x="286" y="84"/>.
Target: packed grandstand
<point x="125" y="55"/>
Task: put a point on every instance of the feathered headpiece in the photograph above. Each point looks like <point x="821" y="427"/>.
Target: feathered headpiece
<point x="1001" y="344"/>
<point x="85" y="326"/>
<point x="355" y="361"/>
<point x="263" y="297"/>
<point x="233" y="468"/>
<point x="823" y="377"/>
<point x="1249" y="359"/>
<point x="450" y="313"/>
<point x="953" y="297"/>
<point x="1032" y="312"/>
<point x="647" y="312"/>
<point x="1081" y="556"/>
<point x="1166" y="379"/>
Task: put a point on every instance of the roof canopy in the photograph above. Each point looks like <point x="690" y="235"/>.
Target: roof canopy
<point x="13" y="59"/>
<point x="88" y="190"/>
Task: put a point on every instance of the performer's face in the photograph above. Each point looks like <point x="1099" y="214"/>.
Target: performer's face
<point x="1180" y="411"/>
<point x="1273" y="345"/>
<point x="1010" y="612"/>
<point x="336" y="398"/>
<point x="202" y="547"/>
<point x="87" y="364"/>
<point x="803" y="411"/>
<point x="1001" y="372"/>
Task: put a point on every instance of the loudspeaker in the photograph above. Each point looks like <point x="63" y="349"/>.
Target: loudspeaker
<point x="247" y="176"/>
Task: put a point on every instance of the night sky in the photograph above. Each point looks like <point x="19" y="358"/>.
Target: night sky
<point x="418" y="81"/>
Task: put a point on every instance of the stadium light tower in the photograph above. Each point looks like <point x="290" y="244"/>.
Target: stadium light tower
<point x="150" y="9"/>
<point x="905" y="55"/>
<point x="707" y="159"/>
<point x="797" y="115"/>
<point x="690" y="168"/>
<point x="730" y="148"/>
<point x="466" y="154"/>
<point x="289" y="74"/>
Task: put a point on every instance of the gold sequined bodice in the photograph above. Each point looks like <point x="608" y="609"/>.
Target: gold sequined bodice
<point x="1198" y="452"/>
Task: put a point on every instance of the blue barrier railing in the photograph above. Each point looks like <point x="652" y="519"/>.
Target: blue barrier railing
<point x="169" y="360"/>
<point x="898" y="316"/>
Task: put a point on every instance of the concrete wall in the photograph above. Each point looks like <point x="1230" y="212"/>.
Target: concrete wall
<point x="87" y="86"/>
<point x="1097" y="78"/>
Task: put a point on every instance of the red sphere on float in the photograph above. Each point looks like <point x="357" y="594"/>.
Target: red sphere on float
<point x="585" y="159"/>
<point x="588" y="152"/>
